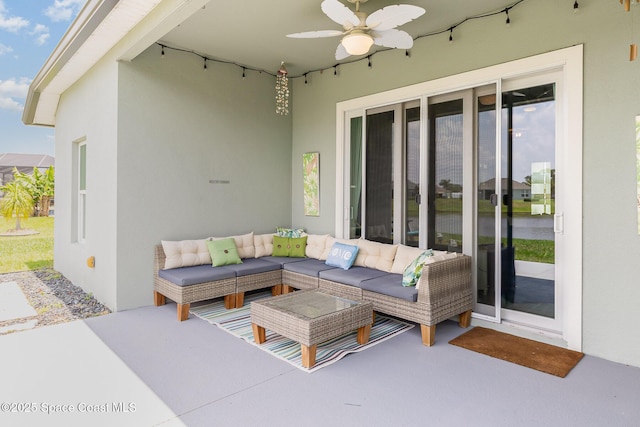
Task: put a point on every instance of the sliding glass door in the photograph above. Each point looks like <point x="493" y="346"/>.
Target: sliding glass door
<point x="384" y="202"/>
<point x="486" y="163"/>
<point x="516" y="204"/>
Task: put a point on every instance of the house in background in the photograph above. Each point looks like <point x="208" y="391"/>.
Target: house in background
<point x="174" y="101"/>
<point x="521" y="190"/>
<point x="24" y="163"/>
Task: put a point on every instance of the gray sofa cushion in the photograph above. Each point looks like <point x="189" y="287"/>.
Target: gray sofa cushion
<point x="282" y="260"/>
<point x="186" y="276"/>
<point x="310" y="267"/>
<point x="391" y="285"/>
<point x="253" y="266"/>
<point x="352" y="276"/>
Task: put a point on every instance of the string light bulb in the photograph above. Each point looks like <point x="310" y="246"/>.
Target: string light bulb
<point x="204" y="67"/>
<point x="369" y="62"/>
<point x="451" y="35"/>
<point x="162" y="51"/>
<point x="508" y="21"/>
<point x="576" y="6"/>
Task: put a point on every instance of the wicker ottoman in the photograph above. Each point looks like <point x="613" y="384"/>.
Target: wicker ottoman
<point x="310" y="317"/>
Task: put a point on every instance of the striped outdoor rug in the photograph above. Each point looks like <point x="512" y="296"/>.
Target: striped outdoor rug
<point x="238" y="322"/>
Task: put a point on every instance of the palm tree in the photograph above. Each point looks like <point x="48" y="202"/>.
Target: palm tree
<point x="40" y="186"/>
<point x="43" y="189"/>
<point x="17" y="201"/>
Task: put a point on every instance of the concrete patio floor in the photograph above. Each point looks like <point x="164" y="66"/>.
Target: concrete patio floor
<point x="144" y="368"/>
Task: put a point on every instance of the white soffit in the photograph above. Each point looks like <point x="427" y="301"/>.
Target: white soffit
<point x="123" y="17"/>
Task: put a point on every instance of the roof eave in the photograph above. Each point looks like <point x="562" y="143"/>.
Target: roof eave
<point x="88" y="19"/>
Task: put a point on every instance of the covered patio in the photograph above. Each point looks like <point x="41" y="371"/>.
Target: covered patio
<point x="141" y="368"/>
<point x="166" y="129"/>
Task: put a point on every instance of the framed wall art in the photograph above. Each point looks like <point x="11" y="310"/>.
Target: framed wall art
<point x="311" y="183"/>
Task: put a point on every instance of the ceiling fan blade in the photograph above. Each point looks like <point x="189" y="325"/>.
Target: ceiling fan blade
<point x="393" y="16"/>
<point x="393" y="38"/>
<point x="341" y="52"/>
<point x="315" y="34"/>
<point x="339" y="13"/>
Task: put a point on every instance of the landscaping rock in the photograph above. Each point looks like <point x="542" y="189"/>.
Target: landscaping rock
<point x="54" y="298"/>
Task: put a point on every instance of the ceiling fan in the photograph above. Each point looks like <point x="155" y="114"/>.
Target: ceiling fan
<point x="361" y="31"/>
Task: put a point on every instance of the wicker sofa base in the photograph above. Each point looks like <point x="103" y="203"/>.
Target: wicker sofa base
<point x="295" y="280"/>
<point x="444" y="292"/>
<point x="427" y="315"/>
<point x="232" y="289"/>
<point x="185" y="295"/>
<point x="270" y="279"/>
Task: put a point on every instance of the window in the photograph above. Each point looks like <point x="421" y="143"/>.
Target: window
<point x="81" y="168"/>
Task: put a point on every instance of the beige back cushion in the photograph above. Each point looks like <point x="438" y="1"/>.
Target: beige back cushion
<point x="404" y="256"/>
<point x="375" y="255"/>
<point x="263" y="244"/>
<point x="316" y="244"/>
<point x="244" y="243"/>
<point x="185" y="253"/>
<point x="441" y="256"/>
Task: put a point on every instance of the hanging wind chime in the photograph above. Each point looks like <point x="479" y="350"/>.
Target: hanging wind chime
<point x="282" y="91"/>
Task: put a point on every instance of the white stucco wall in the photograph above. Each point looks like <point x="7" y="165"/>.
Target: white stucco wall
<point x="611" y="245"/>
<point x="88" y="110"/>
<point x="179" y="128"/>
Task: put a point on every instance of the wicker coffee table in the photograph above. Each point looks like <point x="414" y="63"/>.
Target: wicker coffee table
<point x="310" y="317"/>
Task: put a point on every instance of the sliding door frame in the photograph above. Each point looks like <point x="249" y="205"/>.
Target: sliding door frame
<point x="569" y="62"/>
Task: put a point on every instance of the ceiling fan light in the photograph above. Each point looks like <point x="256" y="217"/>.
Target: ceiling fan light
<point x="357" y="43"/>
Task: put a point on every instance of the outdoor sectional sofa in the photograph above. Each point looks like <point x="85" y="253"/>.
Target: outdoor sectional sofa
<point x="183" y="273"/>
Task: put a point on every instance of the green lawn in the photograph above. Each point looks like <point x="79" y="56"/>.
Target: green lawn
<point x="21" y="253"/>
<point x="526" y="249"/>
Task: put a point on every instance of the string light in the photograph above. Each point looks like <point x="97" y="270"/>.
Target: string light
<point x="335" y="70"/>
<point x="205" y="64"/>
<point x="368" y="57"/>
<point x="576" y="7"/>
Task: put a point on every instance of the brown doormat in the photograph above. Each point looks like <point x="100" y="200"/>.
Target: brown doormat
<point x="532" y="354"/>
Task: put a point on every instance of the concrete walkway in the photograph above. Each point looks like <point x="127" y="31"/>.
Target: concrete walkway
<point x="65" y="375"/>
<point x="14" y="307"/>
<point x="144" y="368"/>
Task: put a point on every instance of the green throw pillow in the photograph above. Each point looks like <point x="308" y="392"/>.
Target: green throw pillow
<point x="223" y="252"/>
<point x="413" y="271"/>
<point x="289" y="246"/>
<point x="280" y="246"/>
<point x="298" y="247"/>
